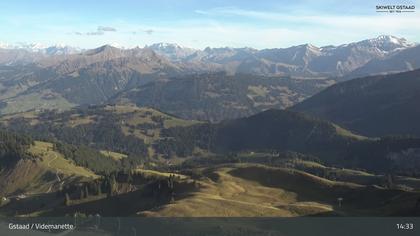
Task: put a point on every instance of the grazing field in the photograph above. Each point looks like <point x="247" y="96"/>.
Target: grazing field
<point x="231" y="190"/>
<point x="45" y="172"/>
<point x="55" y="161"/>
<point x="258" y="190"/>
<point x="114" y="155"/>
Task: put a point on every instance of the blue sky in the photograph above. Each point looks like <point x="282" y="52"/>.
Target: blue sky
<point x="197" y="24"/>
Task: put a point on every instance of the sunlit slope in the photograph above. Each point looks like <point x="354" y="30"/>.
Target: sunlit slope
<point x="257" y="190"/>
<point x="42" y="173"/>
<point x="124" y="129"/>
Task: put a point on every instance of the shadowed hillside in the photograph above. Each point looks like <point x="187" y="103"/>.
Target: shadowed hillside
<point x="372" y="106"/>
<point x="272" y="130"/>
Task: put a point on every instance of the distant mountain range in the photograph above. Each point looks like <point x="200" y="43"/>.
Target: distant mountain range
<point x="212" y="84"/>
<point x="58" y="49"/>
<point x="300" y="61"/>
<point x="374" y="106"/>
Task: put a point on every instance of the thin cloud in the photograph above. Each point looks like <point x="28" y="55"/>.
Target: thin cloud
<point x="95" y="33"/>
<point x="147" y="31"/>
<point x="373" y="21"/>
<point x="99" y="31"/>
<point x="106" y="28"/>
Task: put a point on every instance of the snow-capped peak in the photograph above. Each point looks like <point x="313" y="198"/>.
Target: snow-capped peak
<point x="171" y="50"/>
<point x="61" y="49"/>
<point x="117" y="45"/>
<point x="164" y="46"/>
<point x="388" y="43"/>
<point x="5" y="45"/>
<point x="392" y="39"/>
<point x="57" y="49"/>
<point x="33" y="47"/>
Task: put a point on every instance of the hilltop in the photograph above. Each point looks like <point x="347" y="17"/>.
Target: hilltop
<point x="374" y="106"/>
<point x="117" y="130"/>
<point x="38" y="168"/>
<point x="238" y="190"/>
<point x="268" y="131"/>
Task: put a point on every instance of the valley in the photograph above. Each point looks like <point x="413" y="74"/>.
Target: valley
<point x="171" y="131"/>
<point x="282" y="164"/>
<point x="244" y="80"/>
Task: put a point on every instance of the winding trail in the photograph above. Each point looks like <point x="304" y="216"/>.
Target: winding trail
<point x="56" y="173"/>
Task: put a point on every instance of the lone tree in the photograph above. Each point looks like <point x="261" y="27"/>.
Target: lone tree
<point x="82" y="194"/>
<point x="86" y="191"/>
<point x="390" y="181"/>
<point x="129" y="177"/>
<point x="340" y="200"/>
<point x="67" y="199"/>
<point x="171" y="187"/>
<point x="99" y="189"/>
<point x="112" y="188"/>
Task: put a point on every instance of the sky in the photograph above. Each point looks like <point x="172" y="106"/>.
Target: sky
<point x="199" y="24"/>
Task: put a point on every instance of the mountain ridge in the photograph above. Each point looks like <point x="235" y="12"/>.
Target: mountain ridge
<point x="300" y="60"/>
<point x="375" y="105"/>
<point x="91" y="77"/>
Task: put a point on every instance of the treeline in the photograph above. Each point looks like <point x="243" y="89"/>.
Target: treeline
<point x="13" y="147"/>
<point x="272" y="158"/>
<point x="391" y="154"/>
<point x="285" y="131"/>
<point x="181" y="141"/>
<point x="103" y="133"/>
<point x="106" y="185"/>
<point x="271" y="130"/>
<point x="94" y="160"/>
<point x="88" y="157"/>
<point x="115" y="183"/>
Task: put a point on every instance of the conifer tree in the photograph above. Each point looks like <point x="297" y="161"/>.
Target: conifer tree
<point x="86" y="191"/>
<point x="67" y="199"/>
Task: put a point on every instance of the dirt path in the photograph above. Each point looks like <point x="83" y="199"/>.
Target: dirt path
<point x="56" y="173"/>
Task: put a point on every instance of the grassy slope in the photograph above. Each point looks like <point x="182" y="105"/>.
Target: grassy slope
<point x="133" y="116"/>
<point x="55" y="161"/>
<point x="155" y="173"/>
<point x="28" y="102"/>
<point x="247" y="190"/>
<point x="347" y="133"/>
<point x="114" y="155"/>
<point x="42" y="174"/>
<point x="223" y="194"/>
<point x="357" y="176"/>
<point x="257" y="190"/>
<point x="142" y="122"/>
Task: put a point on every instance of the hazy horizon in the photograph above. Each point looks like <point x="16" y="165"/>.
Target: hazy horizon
<point x="195" y="24"/>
